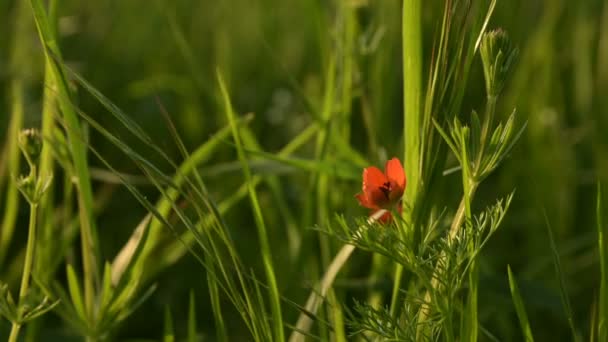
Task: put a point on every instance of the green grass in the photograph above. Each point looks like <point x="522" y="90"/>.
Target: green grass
<point x="205" y="158"/>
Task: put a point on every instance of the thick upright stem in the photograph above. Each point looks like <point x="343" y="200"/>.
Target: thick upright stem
<point x="412" y="90"/>
<point x="412" y="117"/>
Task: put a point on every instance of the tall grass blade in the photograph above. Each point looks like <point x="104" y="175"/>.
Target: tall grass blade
<point x="18" y="65"/>
<point x="168" y="334"/>
<point x="519" y="307"/>
<point x="78" y="150"/>
<point x="259" y="220"/>
<point x="602" y="325"/>
<point x="560" y="277"/>
<point x="192" y="318"/>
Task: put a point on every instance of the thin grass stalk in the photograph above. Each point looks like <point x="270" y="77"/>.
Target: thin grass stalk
<point x="214" y="296"/>
<point x="602" y="247"/>
<point x="275" y="297"/>
<point x="348" y="23"/>
<point x="27" y="267"/>
<point x="349" y="34"/>
<point x="16" y="93"/>
<point x="412" y="114"/>
<point x="192" y="319"/>
<point x="321" y="181"/>
<point x="11" y="207"/>
<point x="559" y="273"/>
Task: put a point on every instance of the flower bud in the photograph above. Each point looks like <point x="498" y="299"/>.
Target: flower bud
<point x="498" y="56"/>
<point x="33" y="186"/>
<point x="30" y="143"/>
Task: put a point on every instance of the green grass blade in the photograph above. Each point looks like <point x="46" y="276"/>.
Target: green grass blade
<point x="18" y="65"/>
<point x="562" y="283"/>
<point x="75" y="293"/>
<point x="519" y="307"/>
<point x="336" y="169"/>
<point x="168" y="332"/>
<point x="78" y="150"/>
<point x="602" y="321"/>
<point x="259" y="220"/>
<point x="192" y="318"/>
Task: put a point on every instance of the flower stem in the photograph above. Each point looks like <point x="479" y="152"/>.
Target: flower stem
<point x="27" y="267"/>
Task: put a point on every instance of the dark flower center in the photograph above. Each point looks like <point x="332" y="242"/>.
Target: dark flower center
<point x="386" y="189"/>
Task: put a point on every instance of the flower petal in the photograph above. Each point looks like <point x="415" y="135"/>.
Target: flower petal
<point x="373" y="181"/>
<point x="364" y="201"/>
<point x="395" y="173"/>
<point x="373" y="177"/>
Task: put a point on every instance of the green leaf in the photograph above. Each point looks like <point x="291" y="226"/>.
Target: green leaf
<point x="107" y="290"/>
<point x="76" y="294"/>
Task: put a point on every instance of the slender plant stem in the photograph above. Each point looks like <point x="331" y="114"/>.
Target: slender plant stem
<point x="317" y="295"/>
<point x="14" y="332"/>
<point x="27" y="267"/>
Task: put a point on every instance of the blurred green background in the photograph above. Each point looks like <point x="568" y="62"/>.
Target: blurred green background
<point x="273" y="55"/>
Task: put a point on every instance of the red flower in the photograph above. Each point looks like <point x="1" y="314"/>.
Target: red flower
<point x="383" y="190"/>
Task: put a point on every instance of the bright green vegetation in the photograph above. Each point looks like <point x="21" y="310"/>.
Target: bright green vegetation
<point x="186" y="170"/>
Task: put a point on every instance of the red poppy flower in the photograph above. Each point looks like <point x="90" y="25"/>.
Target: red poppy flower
<point x="383" y="190"/>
